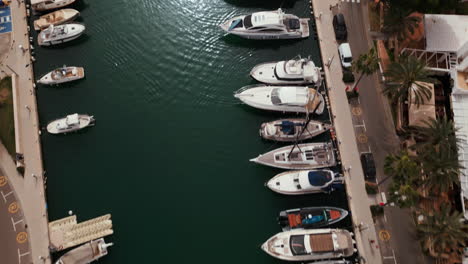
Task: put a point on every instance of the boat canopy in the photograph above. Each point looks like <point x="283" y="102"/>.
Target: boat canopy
<point x="290" y="95"/>
<point x="318" y="178"/>
<point x="288" y="127"/>
<point x="72" y="119"/>
<point x="266" y="18"/>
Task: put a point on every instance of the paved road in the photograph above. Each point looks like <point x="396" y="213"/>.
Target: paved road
<point x="381" y="138"/>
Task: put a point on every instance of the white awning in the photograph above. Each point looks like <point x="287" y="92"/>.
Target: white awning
<point x="294" y="95"/>
<point x="445" y="32"/>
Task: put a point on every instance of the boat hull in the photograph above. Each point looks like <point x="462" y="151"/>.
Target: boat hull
<point x="55" y="5"/>
<point x="314" y="128"/>
<point x="285" y="184"/>
<point x="67" y="16"/>
<point x="85" y="121"/>
<point x="59" y="41"/>
<point x="265" y="73"/>
<point x="47" y="79"/>
<point x="287" y="218"/>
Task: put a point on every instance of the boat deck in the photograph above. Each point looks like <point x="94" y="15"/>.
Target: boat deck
<point x="305" y="26"/>
<point x="321" y="243"/>
<point x="314" y="103"/>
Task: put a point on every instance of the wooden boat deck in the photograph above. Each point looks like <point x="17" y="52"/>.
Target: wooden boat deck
<point x="321" y="243"/>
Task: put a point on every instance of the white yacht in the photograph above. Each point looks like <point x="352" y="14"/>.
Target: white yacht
<point x="295" y="71"/>
<point x="70" y="123"/>
<point x="296" y="99"/>
<point x="85" y="253"/>
<point x="44" y="5"/>
<point x="292" y="129"/>
<point x="306" y="156"/>
<point x="60" y="34"/>
<point x="55" y="18"/>
<point x="268" y="25"/>
<point x="304" y="182"/>
<point x="310" y="244"/>
<point x="61" y="75"/>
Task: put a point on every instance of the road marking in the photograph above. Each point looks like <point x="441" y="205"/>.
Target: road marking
<point x="22" y="237"/>
<point x="15" y="223"/>
<point x="384" y="235"/>
<point x="357" y="111"/>
<point x="13" y="207"/>
<point x="362" y="138"/>
<point x="21" y="255"/>
<point x="6" y="195"/>
<point x="3" y="181"/>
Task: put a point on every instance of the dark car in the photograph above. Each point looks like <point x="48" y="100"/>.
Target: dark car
<point x="368" y="166"/>
<point x="339" y="24"/>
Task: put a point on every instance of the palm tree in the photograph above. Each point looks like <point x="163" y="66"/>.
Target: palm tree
<point x="441" y="167"/>
<point x="398" y="22"/>
<point x="443" y="231"/>
<point x="437" y="133"/>
<point x="402" y="167"/>
<point x="404" y="195"/>
<point x="405" y="79"/>
<point x="366" y="64"/>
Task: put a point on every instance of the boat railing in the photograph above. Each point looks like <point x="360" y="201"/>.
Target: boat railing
<point x="248" y="87"/>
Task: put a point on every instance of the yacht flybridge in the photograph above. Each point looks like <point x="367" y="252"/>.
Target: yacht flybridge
<point x="304" y="182"/>
<point x="268" y="25"/>
<point x="295" y="71"/>
<point x="62" y="75"/>
<point x="70" y="123"/>
<point x="60" y="34"/>
<point x="299" y="157"/>
<point x="310" y="244"/>
<point x="296" y="99"/>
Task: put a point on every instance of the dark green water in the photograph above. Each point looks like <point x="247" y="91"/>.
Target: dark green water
<point x="169" y="155"/>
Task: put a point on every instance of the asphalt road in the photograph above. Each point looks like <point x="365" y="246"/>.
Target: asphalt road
<point x="382" y="140"/>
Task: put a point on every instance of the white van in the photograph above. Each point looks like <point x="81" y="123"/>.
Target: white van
<point x="345" y="55"/>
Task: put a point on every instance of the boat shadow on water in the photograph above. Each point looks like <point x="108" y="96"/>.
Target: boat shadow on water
<point x="256" y="44"/>
<point x="268" y="4"/>
<point x="79" y="5"/>
<point x="74" y="43"/>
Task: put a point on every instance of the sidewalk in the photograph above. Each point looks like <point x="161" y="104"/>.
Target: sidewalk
<point x="358" y="201"/>
<point x="30" y="187"/>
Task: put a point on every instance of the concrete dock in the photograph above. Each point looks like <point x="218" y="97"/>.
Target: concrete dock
<point x="28" y="188"/>
<point x="365" y="232"/>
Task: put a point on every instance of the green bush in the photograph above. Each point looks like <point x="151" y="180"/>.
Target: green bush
<point x="352" y="94"/>
<point x="371" y="189"/>
<point x="348" y="76"/>
<point x="376" y="210"/>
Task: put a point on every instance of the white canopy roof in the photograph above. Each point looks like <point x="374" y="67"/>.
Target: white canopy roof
<point x="293" y="95"/>
<point x="73" y="119"/>
<point x="445" y="32"/>
<point x="266" y="18"/>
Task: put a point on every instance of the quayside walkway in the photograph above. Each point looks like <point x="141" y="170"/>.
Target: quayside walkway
<point x="359" y="204"/>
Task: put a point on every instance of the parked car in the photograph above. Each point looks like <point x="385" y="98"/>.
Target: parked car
<point x="368" y="166"/>
<point x="339" y="25"/>
<point x="345" y="55"/>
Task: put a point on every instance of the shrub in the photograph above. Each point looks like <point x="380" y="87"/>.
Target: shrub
<point x="371" y="189"/>
<point x="376" y="210"/>
<point x="348" y="76"/>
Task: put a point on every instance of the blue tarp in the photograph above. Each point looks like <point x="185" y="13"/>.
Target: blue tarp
<point x="318" y="178"/>
<point x="5" y="20"/>
<point x="312" y="220"/>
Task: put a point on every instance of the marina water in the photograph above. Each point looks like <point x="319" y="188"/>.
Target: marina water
<point x="169" y="155"/>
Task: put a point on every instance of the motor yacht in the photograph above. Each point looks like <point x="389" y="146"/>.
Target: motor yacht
<point x="62" y="75"/>
<point x="70" y="123"/>
<point x="59" y="34"/>
<point x="304" y="182"/>
<point x="295" y="71"/>
<point x="296" y="99"/>
<point x="55" y="18"/>
<point x="306" y="156"/>
<point x="310" y="217"/>
<point x="292" y="129"/>
<point x="310" y="244"/>
<point x="44" y="5"/>
<point x="85" y="253"/>
<point x="267" y="25"/>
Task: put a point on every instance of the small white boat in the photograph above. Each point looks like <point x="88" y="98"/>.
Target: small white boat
<point x="296" y="71"/>
<point x="44" y="5"/>
<point x="70" y="123"/>
<point x="296" y="99"/>
<point x="304" y="182"/>
<point x="310" y="244"/>
<point x="268" y="25"/>
<point x="86" y="253"/>
<point x="62" y="75"/>
<point x="292" y="129"/>
<point x="306" y="156"/>
<point x="59" y="34"/>
<point x="55" y="18"/>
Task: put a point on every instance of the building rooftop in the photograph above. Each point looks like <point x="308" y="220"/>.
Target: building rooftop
<point x="445" y="32"/>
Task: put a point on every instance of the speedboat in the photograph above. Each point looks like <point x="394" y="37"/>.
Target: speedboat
<point x="86" y="253"/>
<point x="295" y="71"/>
<point x="306" y="156"/>
<point x="294" y="99"/>
<point x="304" y="182"/>
<point x="51" y="4"/>
<point x="310" y="244"/>
<point x="55" y="18"/>
<point x="70" y="123"/>
<point x="61" y="75"/>
<point x="60" y="34"/>
<point x="292" y="129"/>
<point x="268" y="25"/>
<point x="310" y="217"/>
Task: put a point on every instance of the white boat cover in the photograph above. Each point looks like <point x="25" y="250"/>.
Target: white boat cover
<point x="297" y="96"/>
<point x="72" y="119"/>
<point x="266" y="18"/>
